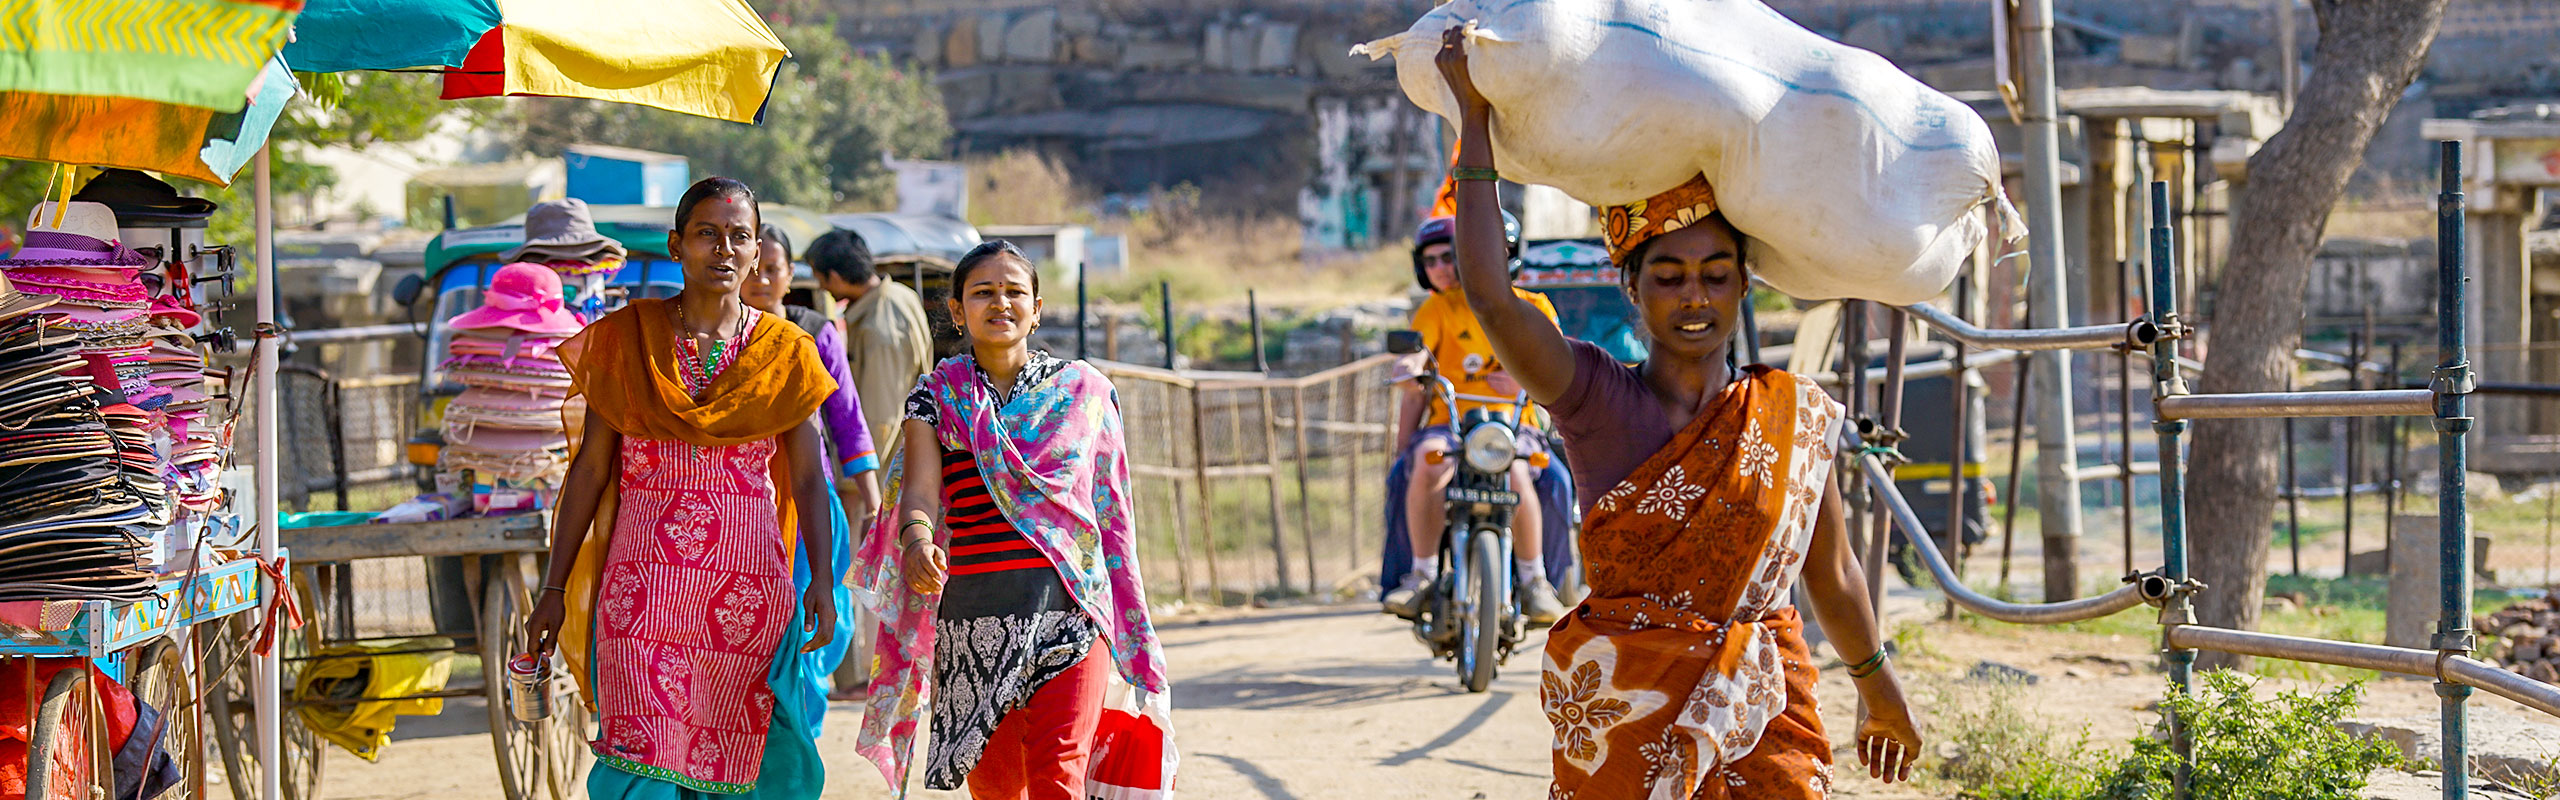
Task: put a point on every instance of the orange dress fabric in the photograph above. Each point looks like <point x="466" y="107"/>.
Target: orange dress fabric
<point x="1685" y="674"/>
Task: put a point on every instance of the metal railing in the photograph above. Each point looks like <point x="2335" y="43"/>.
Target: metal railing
<point x="2446" y="400"/>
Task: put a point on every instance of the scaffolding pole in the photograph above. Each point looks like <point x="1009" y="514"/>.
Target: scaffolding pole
<point x="2057" y="457"/>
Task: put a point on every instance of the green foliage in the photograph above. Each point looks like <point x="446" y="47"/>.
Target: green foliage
<point x="831" y="116"/>
<point x="2245" y="748"/>
<point x="2288" y="748"/>
<point x="1999" y="751"/>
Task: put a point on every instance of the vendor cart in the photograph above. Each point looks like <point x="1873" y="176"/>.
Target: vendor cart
<point x="146" y="645"/>
<point x="501" y="564"/>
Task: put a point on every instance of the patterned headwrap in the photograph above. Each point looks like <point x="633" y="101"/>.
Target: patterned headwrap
<point x="1631" y="225"/>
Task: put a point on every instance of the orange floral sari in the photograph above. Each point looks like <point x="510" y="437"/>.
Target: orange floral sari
<point x="1685" y="675"/>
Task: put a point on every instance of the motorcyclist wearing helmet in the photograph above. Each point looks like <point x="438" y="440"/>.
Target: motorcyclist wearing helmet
<point x="1457" y="347"/>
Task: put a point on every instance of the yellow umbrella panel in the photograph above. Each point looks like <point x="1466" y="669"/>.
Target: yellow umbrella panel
<point x="712" y="58"/>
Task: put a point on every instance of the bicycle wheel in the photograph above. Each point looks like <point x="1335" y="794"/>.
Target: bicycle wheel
<point x="519" y="751"/>
<point x="66" y="749"/>
<point x="161" y="680"/>
<point x="232" y="713"/>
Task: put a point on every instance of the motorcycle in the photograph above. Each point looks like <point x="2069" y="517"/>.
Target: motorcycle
<point x="1472" y="612"/>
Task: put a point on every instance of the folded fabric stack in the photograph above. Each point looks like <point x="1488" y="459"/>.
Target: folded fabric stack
<point x="74" y="523"/>
<point x="505" y="433"/>
<point x="559" y="234"/>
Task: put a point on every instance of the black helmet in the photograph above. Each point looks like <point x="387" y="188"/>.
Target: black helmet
<point x="1444" y="229"/>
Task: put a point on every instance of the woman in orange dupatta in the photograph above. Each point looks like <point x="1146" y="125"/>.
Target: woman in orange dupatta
<point x="1708" y="491"/>
<point x="670" y="556"/>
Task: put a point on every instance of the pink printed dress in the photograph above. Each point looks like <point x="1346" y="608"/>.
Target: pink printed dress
<point x="696" y="594"/>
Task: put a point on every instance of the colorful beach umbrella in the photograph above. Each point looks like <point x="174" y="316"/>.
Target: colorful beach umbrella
<point x="712" y="58"/>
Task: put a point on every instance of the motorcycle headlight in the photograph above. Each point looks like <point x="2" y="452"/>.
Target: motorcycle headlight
<point x="1490" y="447"/>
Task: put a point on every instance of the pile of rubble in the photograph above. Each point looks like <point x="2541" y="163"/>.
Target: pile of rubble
<point x="2528" y="640"/>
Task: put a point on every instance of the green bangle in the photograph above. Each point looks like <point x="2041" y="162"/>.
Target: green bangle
<point x="914" y="523"/>
<point x="1873" y="664"/>
<point x="1475" y="173"/>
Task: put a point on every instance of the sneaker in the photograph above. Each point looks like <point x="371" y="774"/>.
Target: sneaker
<point x="1406" y="599"/>
<point x="1538" y="601"/>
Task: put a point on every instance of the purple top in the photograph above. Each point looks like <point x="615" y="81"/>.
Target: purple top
<point x="842" y="413"/>
<point x="1610" y="421"/>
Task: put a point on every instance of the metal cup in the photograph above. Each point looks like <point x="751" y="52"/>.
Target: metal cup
<point x="529" y="688"/>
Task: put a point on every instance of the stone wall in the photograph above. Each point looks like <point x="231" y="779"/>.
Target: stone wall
<point x="1248" y="99"/>
<point x="1260" y="103"/>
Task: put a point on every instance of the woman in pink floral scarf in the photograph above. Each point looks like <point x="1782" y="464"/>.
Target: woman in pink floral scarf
<point x="1005" y="578"/>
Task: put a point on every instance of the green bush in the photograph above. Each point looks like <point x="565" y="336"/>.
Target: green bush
<point x="2288" y="748"/>
<point x="2245" y="748"/>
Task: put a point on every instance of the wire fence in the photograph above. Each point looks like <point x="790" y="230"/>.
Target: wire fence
<point x="1250" y="488"/>
<point x="341" y="437"/>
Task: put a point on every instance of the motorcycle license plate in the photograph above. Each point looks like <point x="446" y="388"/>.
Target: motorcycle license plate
<point x="1502" y="497"/>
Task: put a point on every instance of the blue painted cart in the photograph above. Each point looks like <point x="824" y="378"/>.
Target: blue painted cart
<point x="146" y="646"/>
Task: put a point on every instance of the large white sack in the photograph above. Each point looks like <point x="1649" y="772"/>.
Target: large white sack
<point x="1851" y="178"/>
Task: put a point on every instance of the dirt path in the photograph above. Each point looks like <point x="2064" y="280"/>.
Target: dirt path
<point x="1339" y="702"/>
<point x="1298" y="703"/>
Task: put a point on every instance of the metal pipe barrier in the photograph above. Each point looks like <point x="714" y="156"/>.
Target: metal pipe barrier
<point x="2452" y="385"/>
<point x="2089" y="337"/>
<point x="2445" y="398"/>
<point x="2465" y="670"/>
<point x="1880" y="481"/>
<point x="2271" y="405"/>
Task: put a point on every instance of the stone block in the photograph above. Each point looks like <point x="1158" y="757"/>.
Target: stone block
<point x="2414" y="599"/>
<point x="960" y="44"/>
<point x="1242" y="42"/>
<point x="1026" y="91"/>
<point x="1032" y="38"/>
<point x="1279" y="47"/>
<point x="1273" y="93"/>
<point x="1079" y="23"/>
<point x="2143" y="50"/>
<point x="967" y="94"/>
<point x="991" y="30"/>
<point x="927" y="48"/>
<point x="1213" y="45"/>
<point x="2503" y="746"/>
<point x="1093" y="51"/>
<point x="1156" y="54"/>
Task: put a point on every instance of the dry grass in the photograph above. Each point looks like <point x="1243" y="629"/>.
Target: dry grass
<point x="2385" y="211"/>
<point x="1208" y="254"/>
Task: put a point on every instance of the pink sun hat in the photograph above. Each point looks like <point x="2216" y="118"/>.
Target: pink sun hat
<point x="168" y="308"/>
<point x="524" y="297"/>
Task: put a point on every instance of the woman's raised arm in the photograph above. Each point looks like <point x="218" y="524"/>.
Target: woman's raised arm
<point x="1530" y="347"/>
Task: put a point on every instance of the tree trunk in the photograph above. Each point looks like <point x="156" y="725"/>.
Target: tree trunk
<point x="2368" y="52"/>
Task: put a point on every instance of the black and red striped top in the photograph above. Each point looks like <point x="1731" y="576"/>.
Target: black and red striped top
<point x="981" y="540"/>
<point x="995" y="570"/>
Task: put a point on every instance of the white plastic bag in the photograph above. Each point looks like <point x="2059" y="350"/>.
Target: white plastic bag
<point x="1850" y="178"/>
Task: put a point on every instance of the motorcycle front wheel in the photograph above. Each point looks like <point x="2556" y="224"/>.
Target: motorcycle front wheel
<point x="1483" y="621"/>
